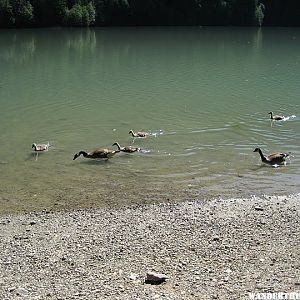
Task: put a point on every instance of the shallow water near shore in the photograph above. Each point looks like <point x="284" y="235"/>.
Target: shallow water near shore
<point x="203" y="94"/>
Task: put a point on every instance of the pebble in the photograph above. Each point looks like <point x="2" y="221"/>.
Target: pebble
<point x="152" y="277"/>
<point x="216" y="238"/>
<point x="133" y="277"/>
<point x="258" y="208"/>
<point x="101" y="254"/>
<point x="21" y="292"/>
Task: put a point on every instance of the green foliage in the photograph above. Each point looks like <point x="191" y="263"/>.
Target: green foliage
<point x="80" y="15"/>
<point x="259" y="14"/>
<point x="73" y="16"/>
<point x="6" y="14"/>
<point x="16" y="13"/>
<point x="21" y="13"/>
<point x="91" y="13"/>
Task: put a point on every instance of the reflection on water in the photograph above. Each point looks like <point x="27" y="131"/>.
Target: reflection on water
<point x="83" y="42"/>
<point x="258" y="39"/>
<point x="203" y="94"/>
<point x="19" y="46"/>
<point x="16" y="47"/>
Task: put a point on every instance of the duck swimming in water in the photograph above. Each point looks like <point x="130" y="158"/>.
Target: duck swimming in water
<point x="272" y="159"/>
<point x="97" y="153"/>
<point x="276" y="117"/>
<point x="138" y="134"/>
<point x="128" y="149"/>
<point x="40" y="147"/>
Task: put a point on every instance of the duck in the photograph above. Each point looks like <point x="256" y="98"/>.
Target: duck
<point x="128" y="149"/>
<point x="272" y="159"/>
<point x="97" y="153"/>
<point x="276" y="117"/>
<point x="138" y="134"/>
<point x="40" y="147"/>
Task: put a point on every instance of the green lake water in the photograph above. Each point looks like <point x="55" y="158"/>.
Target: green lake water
<point x="203" y="94"/>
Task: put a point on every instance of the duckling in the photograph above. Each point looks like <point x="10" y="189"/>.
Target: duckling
<point x="127" y="149"/>
<point x="97" y="153"/>
<point x="276" y="117"/>
<point x="138" y="134"/>
<point x="40" y="147"/>
<point x="272" y="159"/>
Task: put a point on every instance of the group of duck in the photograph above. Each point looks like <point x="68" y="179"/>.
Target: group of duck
<point x="272" y="159"/>
<point x="99" y="152"/>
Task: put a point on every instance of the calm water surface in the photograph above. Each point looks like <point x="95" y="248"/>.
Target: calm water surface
<point x="202" y="93"/>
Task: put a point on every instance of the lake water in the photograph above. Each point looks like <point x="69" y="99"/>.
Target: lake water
<point x="203" y="94"/>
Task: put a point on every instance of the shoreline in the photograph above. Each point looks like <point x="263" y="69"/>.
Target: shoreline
<point x="212" y="249"/>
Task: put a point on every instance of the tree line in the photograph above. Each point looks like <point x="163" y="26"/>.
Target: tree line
<point x="42" y="13"/>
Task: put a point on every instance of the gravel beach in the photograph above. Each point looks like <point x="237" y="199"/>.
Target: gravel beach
<point x="217" y="249"/>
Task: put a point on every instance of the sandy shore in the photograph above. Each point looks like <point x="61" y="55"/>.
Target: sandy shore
<point x="219" y="249"/>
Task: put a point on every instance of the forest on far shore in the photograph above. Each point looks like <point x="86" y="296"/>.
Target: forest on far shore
<point x="45" y="13"/>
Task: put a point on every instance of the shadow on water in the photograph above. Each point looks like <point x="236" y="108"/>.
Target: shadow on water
<point x="95" y="162"/>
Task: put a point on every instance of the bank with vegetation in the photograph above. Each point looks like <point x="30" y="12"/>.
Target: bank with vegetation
<point x="42" y="13"/>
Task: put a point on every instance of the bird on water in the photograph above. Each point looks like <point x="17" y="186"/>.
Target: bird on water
<point x="40" y="147"/>
<point x="127" y="149"/>
<point x="37" y="148"/>
<point x="97" y="153"/>
<point x="276" y="117"/>
<point x="272" y="159"/>
<point x="138" y="134"/>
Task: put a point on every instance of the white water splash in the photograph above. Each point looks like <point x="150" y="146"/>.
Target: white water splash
<point x="288" y="118"/>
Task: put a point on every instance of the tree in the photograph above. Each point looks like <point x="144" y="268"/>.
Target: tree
<point x="259" y="14"/>
<point x="6" y="14"/>
<point x="80" y="15"/>
<point x="73" y="16"/>
<point x="90" y="14"/>
<point x="16" y="13"/>
<point x="22" y="12"/>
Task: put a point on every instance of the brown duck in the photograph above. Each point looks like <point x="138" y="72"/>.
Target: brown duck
<point x="272" y="159"/>
<point x="97" y="153"/>
<point x="138" y="134"/>
<point x="128" y="149"/>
